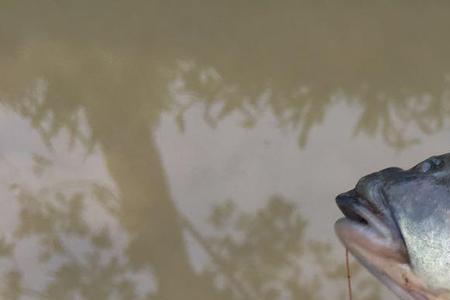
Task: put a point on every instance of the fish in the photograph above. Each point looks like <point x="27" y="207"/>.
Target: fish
<point x="397" y="225"/>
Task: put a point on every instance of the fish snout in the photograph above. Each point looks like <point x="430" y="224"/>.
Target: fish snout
<point x="368" y="194"/>
<point x="369" y="186"/>
<point x="347" y="202"/>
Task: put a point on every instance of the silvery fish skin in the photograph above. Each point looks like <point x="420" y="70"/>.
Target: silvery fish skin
<point x="397" y="224"/>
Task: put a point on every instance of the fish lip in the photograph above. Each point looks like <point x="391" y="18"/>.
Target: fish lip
<point x="370" y="208"/>
<point x="381" y="266"/>
<point x="368" y="230"/>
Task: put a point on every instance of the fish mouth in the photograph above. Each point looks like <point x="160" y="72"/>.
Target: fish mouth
<point x="371" y="234"/>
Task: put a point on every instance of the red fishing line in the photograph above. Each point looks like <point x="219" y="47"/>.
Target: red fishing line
<point x="349" y="281"/>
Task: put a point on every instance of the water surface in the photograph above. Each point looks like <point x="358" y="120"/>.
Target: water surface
<point x="193" y="150"/>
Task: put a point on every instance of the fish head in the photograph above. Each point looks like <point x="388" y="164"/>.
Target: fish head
<point x="397" y="224"/>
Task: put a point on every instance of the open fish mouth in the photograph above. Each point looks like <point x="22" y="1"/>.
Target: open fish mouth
<point x="370" y="221"/>
<point x="371" y="234"/>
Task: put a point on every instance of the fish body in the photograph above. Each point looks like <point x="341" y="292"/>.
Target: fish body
<point x="397" y="224"/>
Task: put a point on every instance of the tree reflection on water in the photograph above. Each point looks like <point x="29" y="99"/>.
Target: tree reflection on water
<point x="107" y="76"/>
<point x="258" y="255"/>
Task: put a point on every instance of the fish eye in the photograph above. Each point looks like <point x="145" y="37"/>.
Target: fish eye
<point x="430" y="164"/>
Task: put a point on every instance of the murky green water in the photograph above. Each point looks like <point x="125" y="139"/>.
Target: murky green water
<point x="192" y="149"/>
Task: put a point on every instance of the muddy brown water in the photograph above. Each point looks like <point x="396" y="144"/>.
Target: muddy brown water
<point x="192" y="149"/>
